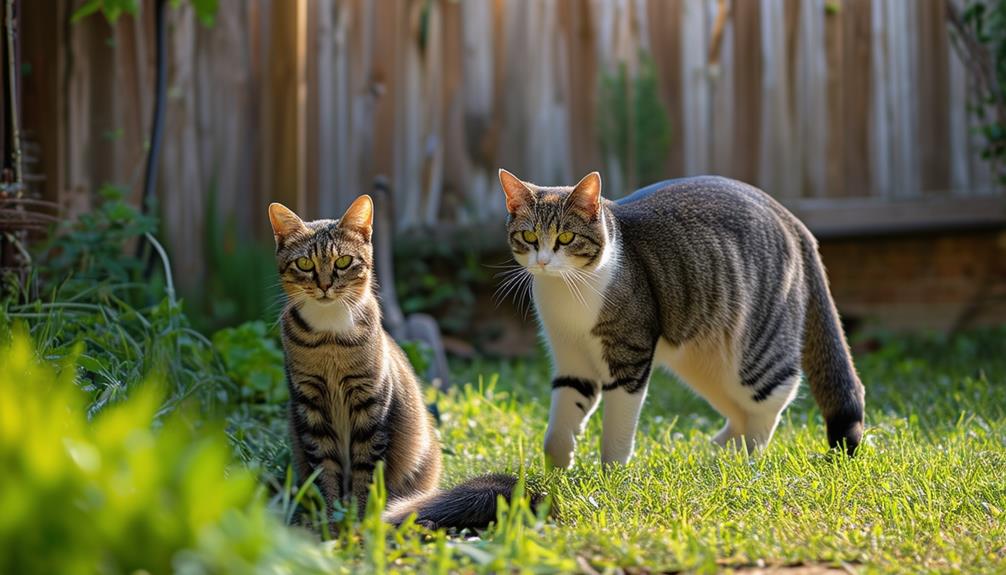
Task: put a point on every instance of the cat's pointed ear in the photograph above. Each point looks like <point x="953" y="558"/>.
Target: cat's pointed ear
<point x="586" y="195"/>
<point x="359" y="216"/>
<point x="284" y="222"/>
<point x="517" y="193"/>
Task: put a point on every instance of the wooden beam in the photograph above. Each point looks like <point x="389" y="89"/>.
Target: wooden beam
<point x="857" y="217"/>
<point x="827" y="219"/>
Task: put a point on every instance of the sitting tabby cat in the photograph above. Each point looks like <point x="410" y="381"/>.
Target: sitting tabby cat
<point x="706" y="276"/>
<point x="354" y="398"/>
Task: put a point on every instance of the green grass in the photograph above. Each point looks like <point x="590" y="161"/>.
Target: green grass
<point x="927" y="492"/>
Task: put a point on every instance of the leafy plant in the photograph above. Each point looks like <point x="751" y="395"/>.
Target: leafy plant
<point x="241" y="282"/>
<point x="436" y="278"/>
<point x="205" y="10"/>
<point x="979" y="34"/>
<point x="634" y="125"/>
<point x="120" y="494"/>
<point x="254" y="362"/>
<point x="89" y="252"/>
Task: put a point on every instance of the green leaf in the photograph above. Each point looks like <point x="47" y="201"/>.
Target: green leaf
<point x="86" y="9"/>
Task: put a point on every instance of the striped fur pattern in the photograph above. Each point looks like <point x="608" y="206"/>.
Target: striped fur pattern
<point x="354" y="397"/>
<point x="707" y="277"/>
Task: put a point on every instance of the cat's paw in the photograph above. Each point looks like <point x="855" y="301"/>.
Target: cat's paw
<point x="559" y="451"/>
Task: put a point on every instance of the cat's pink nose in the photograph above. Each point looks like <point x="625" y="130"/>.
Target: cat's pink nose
<point x="324" y="287"/>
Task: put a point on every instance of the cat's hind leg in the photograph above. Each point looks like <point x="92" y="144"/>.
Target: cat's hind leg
<point x="710" y="370"/>
<point x="766" y="404"/>
<point x="768" y="383"/>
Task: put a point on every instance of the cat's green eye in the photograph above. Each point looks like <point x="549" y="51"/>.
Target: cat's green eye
<point x="529" y="236"/>
<point x="343" y="262"/>
<point x="565" y="237"/>
<point x="305" y="264"/>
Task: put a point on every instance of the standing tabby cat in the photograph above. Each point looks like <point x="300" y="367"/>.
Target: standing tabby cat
<point x="354" y="398"/>
<point x="708" y="277"/>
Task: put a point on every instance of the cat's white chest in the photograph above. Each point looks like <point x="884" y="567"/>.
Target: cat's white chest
<point x="568" y="317"/>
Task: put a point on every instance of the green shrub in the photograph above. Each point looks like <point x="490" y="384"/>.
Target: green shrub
<point x="123" y="493"/>
<point x="254" y="361"/>
<point x="636" y="132"/>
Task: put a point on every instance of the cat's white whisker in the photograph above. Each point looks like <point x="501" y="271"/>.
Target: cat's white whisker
<point x="526" y="293"/>
<point x="573" y="289"/>
<point x="511" y="285"/>
<point x="582" y="278"/>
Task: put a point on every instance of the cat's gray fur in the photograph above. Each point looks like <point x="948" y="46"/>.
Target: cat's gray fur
<point x="705" y="270"/>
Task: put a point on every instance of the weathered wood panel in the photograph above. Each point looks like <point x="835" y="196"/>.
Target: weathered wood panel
<point x="307" y="101"/>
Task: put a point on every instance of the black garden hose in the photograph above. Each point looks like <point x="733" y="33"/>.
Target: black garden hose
<point x="157" y="123"/>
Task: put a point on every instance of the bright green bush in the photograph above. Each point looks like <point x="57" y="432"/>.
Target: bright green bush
<point x="254" y="361"/>
<point x="126" y="491"/>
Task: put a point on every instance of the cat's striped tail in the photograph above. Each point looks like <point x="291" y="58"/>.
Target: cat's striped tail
<point x="471" y="504"/>
<point x="827" y="362"/>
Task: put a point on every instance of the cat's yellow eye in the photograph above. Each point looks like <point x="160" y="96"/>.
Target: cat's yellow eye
<point x="305" y="264"/>
<point x="343" y="262"/>
<point x="529" y="236"/>
<point x="565" y="237"/>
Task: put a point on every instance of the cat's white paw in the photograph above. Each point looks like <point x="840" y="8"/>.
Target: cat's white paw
<point x="559" y="449"/>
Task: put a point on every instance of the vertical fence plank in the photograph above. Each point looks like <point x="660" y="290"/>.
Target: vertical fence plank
<point x="778" y="140"/>
<point x="316" y="111"/>
<point x="181" y="179"/>
<point x="932" y="44"/>
<point x="664" y="17"/>
<point x="695" y="87"/>
<point x="481" y="70"/>
<point x="811" y="118"/>
<point x="748" y="72"/>
<point x="856" y="89"/>
<point x="835" y="54"/>
<point x="456" y="166"/>
<point x="225" y="104"/>
<point x="580" y="36"/>
<point x="724" y="94"/>
<point x="285" y="103"/>
<point x="43" y="99"/>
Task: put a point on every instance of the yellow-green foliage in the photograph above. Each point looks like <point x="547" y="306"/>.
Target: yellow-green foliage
<point x="124" y="492"/>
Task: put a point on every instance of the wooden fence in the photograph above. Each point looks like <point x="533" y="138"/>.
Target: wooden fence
<point x="853" y="112"/>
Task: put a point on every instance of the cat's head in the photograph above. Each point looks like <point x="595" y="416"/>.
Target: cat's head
<point x="555" y="230"/>
<point x="326" y="261"/>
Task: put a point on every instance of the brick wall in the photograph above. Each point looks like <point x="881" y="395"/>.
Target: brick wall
<point x="932" y="281"/>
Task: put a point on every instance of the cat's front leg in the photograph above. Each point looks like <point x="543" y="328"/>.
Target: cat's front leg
<point x="363" y="476"/>
<point x="623" y="402"/>
<point x="574" y="398"/>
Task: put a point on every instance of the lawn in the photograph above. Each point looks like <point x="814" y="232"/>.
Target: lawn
<point x="925" y="494"/>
